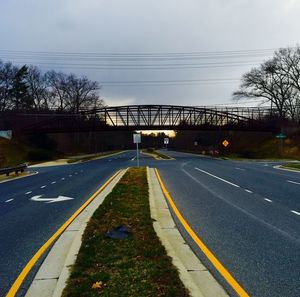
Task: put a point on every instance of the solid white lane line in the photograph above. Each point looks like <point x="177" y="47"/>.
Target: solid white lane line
<point x="268" y="200"/>
<point x="54" y="182"/>
<point x="293" y="182"/>
<point x="224" y="180"/>
<point x="42" y="187"/>
<point x="27" y="193"/>
<point x="9" y="200"/>
<point x="242" y="169"/>
<point x="295" y="212"/>
<point x="248" y="191"/>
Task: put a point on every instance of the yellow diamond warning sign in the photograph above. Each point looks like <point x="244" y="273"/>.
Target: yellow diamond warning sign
<point x="225" y="143"/>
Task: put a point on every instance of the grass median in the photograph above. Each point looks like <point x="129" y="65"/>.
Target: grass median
<point x="135" y="266"/>
<point x="295" y="166"/>
<point x="156" y="154"/>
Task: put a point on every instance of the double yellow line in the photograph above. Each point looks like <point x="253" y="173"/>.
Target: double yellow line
<point x="216" y="263"/>
<point x="18" y="282"/>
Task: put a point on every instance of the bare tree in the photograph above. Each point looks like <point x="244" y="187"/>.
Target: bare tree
<point x="7" y="75"/>
<point x="55" y="81"/>
<point x="38" y="88"/>
<point x="81" y="93"/>
<point x="267" y="82"/>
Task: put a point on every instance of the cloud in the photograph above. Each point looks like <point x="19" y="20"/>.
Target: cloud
<point x="135" y="26"/>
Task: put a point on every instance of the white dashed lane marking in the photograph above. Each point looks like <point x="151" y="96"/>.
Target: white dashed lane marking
<point x="268" y="200"/>
<point x="248" y="191"/>
<point x="9" y="200"/>
<point x="62" y="178"/>
<point x="42" y="187"/>
<point x="293" y="182"/>
<point x="54" y="182"/>
<point x="27" y="193"/>
<point x="295" y="212"/>
<point x="242" y="169"/>
<point x="219" y="178"/>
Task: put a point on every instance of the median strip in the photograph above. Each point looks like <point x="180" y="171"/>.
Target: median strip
<point x="136" y="265"/>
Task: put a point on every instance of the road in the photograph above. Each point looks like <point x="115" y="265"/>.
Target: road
<point x="247" y="213"/>
<point x="25" y="224"/>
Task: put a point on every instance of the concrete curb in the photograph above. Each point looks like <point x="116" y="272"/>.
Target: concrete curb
<point x="192" y="272"/>
<point x="157" y="158"/>
<point x="79" y="161"/>
<point x="54" y="272"/>
<point x="286" y="169"/>
<point x="31" y="173"/>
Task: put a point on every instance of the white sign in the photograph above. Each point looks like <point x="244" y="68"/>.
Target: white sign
<point x="137" y="138"/>
<point x="6" y="134"/>
<point x="50" y="200"/>
<point x="166" y="140"/>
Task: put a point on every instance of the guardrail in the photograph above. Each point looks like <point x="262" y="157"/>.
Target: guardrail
<point x="17" y="169"/>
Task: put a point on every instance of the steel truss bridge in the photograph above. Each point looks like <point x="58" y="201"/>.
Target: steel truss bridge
<point x="138" y="117"/>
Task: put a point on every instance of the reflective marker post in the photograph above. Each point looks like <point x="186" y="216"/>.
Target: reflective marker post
<point x="137" y="140"/>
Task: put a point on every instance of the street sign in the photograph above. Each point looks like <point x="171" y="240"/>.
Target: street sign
<point x="225" y="143"/>
<point x="166" y="140"/>
<point x="136" y="138"/>
<point x="38" y="198"/>
<point x="6" y="134"/>
<point x="281" y="136"/>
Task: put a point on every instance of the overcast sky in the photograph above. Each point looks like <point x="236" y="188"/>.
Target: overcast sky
<point x="197" y="49"/>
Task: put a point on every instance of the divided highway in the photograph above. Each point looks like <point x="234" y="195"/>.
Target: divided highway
<point x="247" y="214"/>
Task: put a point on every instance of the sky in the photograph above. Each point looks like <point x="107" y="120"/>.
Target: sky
<point x="187" y="52"/>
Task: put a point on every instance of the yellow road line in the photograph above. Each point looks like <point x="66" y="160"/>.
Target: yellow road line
<point x="19" y="280"/>
<point x="216" y="263"/>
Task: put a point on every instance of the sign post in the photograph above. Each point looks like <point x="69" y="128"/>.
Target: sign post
<point x="137" y="140"/>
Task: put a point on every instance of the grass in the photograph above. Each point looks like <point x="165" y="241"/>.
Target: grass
<point x="156" y="154"/>
<point x="91" y="157"/>
<point x="292" y="166"/>
<point x="136" y="266"/>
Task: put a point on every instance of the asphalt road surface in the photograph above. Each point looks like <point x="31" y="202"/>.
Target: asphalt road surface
<point x="247" y="214"/>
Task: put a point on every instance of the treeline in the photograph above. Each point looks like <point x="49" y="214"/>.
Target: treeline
<point x="277" y="80"/>
<point x="28" y="88"/>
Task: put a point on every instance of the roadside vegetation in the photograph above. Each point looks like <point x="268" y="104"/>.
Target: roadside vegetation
<point x="88" y="157"/>
<point x="295" y="166"/>
<point x="134" y="266"/>
<point x="156" y="154"/>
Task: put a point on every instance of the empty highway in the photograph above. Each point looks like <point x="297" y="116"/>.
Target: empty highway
<point x="247" y="214"/>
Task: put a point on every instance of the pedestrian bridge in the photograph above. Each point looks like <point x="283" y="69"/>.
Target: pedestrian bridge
<point x="137" y="117"/>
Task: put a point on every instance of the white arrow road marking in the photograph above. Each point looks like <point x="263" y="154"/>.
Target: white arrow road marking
<point x="50" y="200"/>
